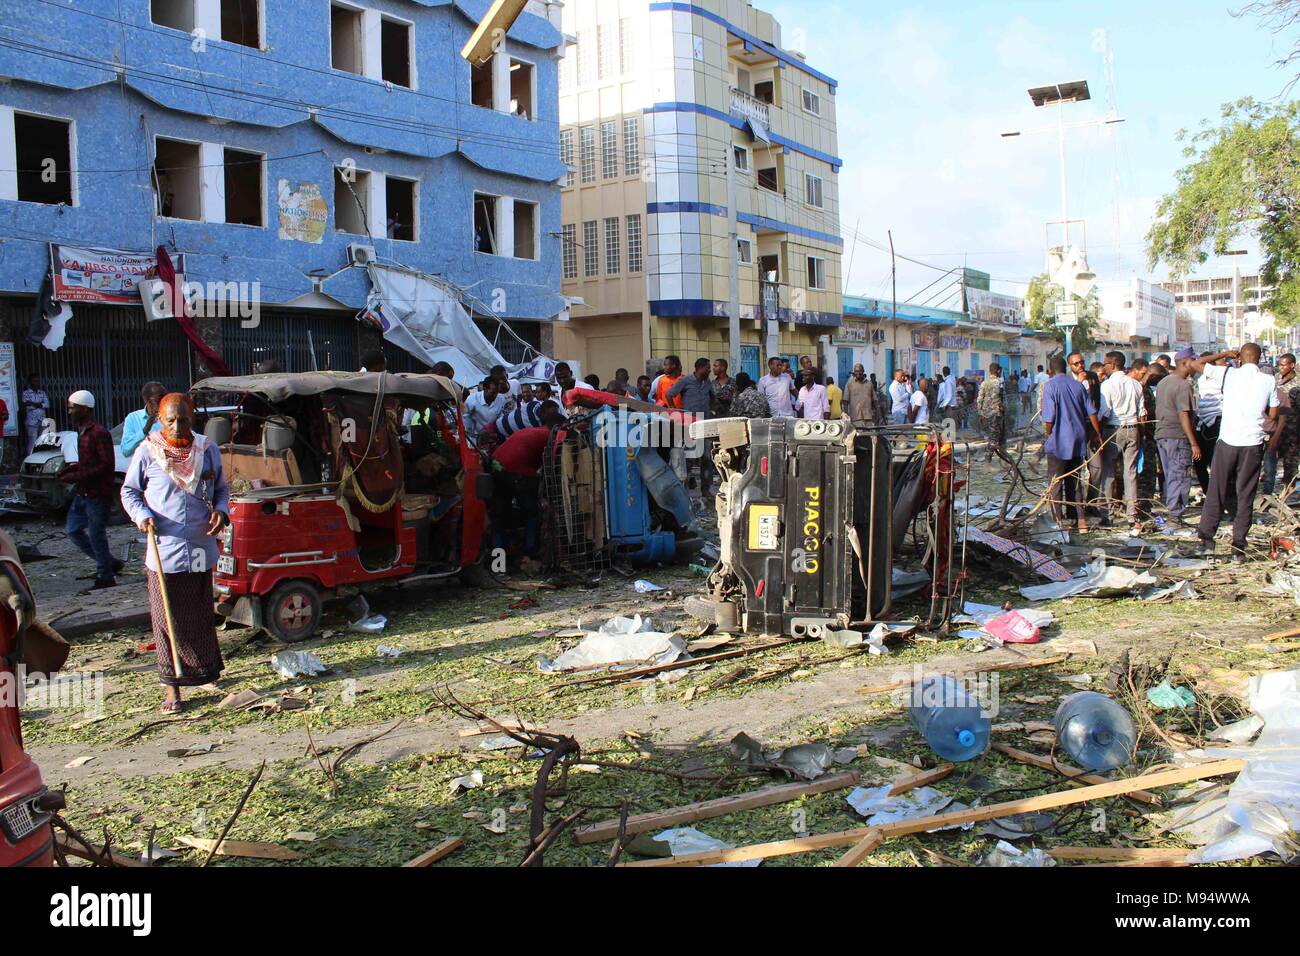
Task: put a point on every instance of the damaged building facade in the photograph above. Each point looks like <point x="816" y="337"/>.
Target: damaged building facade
<point x="657" y="100"/>
<point x="272" y="149"/>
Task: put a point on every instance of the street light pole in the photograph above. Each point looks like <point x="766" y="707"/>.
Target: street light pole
<point x="1065" y="196"/>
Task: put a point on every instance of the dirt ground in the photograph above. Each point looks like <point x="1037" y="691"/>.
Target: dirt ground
<point x="130" y="772"/>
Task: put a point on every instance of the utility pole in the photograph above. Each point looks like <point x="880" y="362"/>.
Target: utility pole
<point x="893" y="278"/>
<point x="733" y="303"/>
<point x="1065" y="195"/>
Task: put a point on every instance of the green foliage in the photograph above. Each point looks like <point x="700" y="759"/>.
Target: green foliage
<point x="1040" y="303"/>
<point x="1242" y="179"/>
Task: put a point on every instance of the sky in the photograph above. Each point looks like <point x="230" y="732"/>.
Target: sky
<point x="927" y="89"/>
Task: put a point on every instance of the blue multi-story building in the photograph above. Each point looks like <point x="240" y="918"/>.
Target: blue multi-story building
<point x="273" y="144"/>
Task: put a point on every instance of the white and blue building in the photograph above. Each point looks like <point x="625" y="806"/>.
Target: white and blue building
<point x="274" y="144"/>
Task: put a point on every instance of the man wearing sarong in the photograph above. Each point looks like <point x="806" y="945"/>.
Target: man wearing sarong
<point x="175" y="487"/>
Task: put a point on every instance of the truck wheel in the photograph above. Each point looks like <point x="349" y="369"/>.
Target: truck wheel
<point x="724" y="614"/>
<point x="292" y="612"/>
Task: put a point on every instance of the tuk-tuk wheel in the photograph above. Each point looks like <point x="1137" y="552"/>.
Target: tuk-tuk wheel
<point x="723" y="614"/>
<point x="292" y="611"/>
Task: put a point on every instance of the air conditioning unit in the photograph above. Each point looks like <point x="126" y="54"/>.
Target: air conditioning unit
<point x="360" y="254"/>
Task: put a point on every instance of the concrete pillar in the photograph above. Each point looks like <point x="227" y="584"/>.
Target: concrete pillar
<point x="212" y="182"/>
<point x="372" y="49"/>
<point x="8" y="159"/>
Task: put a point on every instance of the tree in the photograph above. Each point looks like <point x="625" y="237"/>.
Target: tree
<point x="1040" y="302"/>
<point x="1280" y="16"/>
<point x="1242" y="178"/>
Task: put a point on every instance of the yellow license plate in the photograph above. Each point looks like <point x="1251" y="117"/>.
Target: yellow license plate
<point x="764" y="527"/>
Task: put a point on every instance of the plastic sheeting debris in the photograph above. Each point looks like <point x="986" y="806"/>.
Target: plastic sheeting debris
<point x="1262" y="809"/>
<point x="1004" y="854"/>
<point x="628" y="641"/>
<point x="471" y="781"/>
<point x="1283" y="584"/>
<point x="806" y="761"/>
<point x="383" y="650"/>
<point x="1013" y="628"/>
<point x="1096" y="580"/>
<point x="880" y="808"/>
<point x="643" y="586"/>
<point x="684" y="840"/>
<point x="1036" y="561"/>
<point x="291" y="664"/>
<point x="364" y="621"/>
<point x="1166" y="697"/>
<point x="1182" y="591"/>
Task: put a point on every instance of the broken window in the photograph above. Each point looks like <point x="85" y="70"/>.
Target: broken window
<point x="525" y="230"/>
<point x="395" y="52"/>
<point x="521" y="89"/>
<point x="239" y="22"/>
<point x="243" y="172"/>
<point x="351" y="196"/>
<point x="401" y="209"/>
<point x="345" y="39"/>
<point x="767" y="179"/>
<point x="480" y="85"/>
<point x="485" y="223"/>
<point x="178" y="179"/>
<point x="43" y="148"/>
<point x="177" y="14"/>
<point x="765" y="91"/>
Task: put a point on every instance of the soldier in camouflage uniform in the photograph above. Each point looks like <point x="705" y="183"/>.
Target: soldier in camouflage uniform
<point x="1288" y="447"/>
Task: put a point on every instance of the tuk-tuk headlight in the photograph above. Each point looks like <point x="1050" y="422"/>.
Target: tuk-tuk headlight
<point x="52" y="466"/>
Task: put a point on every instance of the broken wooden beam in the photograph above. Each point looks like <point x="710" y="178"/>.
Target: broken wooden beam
<point x="1126" y="854"/>
<point x="922" y="779"/>
<point x="1047" y="801"/>
<point x="862" y="849"/>
<point x="1077" y="777"/>
<point x="440" y="852"/>
<point x="241" y="848"/>
<point x="707" y="809"/>
<point x="982" y="669"/>
<point x="72" y="848"/>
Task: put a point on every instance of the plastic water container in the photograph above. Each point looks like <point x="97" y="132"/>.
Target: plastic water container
<point x="950" y="719"/>
<point x="1096" y="732"/>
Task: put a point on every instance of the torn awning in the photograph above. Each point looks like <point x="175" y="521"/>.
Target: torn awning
<point x="426" y="318"/>
<point x="759" y="131"/>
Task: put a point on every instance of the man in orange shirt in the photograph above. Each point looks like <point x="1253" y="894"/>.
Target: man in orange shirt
<point x="672" y="372"/>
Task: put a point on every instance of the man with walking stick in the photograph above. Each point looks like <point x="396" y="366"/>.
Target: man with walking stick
<point x="176" y="493"/>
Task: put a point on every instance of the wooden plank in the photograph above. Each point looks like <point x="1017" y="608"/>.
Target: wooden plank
<point x="1047" y="801"/>
<point x="72" y="848"/>
<point x="1078" y="778"/>
<point x="862" y="849"/>
<point x="440" y="852"/>
<point x="923" y="779"/>
<point x="489" y="34"/>
<point x="983" y="669"/>
<point x="1289" y="632"/>
<point x="707" y="809"/>
<point x="1113" y="854"/>
<point x="252" y="851"/>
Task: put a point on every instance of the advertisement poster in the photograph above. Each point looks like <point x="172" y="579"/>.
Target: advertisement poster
<point x="107" y="276"/>
<point x="9" y="388"/>
<point x="303" y="212"/>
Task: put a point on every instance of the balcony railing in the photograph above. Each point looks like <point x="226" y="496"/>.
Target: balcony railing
<point x="744" y="106"/>
<point x="769" y="302"/>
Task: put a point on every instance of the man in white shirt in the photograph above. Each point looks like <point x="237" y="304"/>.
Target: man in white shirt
<point x="900" y="397"/>
<point x="1040" y="380"/>
<point x="777" y="387"/>
<point x="919" y="404"/>
<point x="482" y="408"/>
<point x="813" y="402"/>
<point x="1209" y="409"/>
<point x="1122" y="413"/>
<point x="947" y="400"/>
<point x="1249" y="396"/>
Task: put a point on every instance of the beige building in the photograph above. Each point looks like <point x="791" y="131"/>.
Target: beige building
<point x="1237" y="297"/>
<point x="656" y="99"/>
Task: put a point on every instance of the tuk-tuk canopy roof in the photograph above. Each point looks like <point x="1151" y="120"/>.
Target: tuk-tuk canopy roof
<point x="279" y="386"/>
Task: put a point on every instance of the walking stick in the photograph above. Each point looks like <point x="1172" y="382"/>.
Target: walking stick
<point x="167" y="608"/>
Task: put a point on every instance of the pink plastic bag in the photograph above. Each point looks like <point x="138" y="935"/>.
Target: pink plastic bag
<point x="1013" y="628"/>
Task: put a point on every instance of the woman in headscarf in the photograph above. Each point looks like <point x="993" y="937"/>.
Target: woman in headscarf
<point x="174" y="486"/>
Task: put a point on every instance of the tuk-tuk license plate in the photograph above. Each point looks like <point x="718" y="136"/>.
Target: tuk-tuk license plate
<point x="764" y="527"/>
<point x="225" y="564"/>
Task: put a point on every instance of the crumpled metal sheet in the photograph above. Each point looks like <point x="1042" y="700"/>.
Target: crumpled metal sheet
<point x="1004" y="854"/>
<point x="880" y="808"/>
<point x="291" y="664"/>
<point x="684" y="840"/>
<point x="1099" y="580"/>
<point x="805" y="761"/>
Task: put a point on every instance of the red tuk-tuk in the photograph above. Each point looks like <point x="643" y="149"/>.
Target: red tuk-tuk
<point x="26" y="804"/>
<point x="330" y="491"/>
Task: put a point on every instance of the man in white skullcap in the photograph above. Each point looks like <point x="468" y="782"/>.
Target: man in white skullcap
<point x="92" y="495"/>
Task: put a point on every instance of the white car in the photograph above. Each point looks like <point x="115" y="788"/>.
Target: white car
<point x="38" y="488"/>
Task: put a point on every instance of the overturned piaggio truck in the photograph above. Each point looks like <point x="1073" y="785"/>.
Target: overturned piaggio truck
<point x="811" y="515"/>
